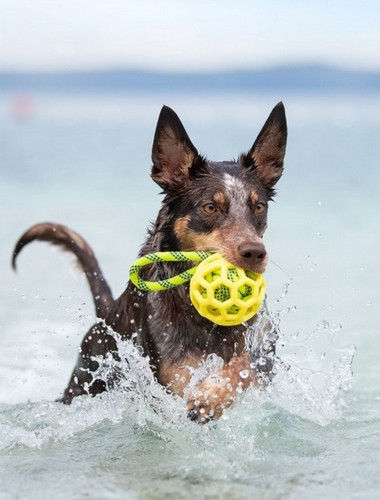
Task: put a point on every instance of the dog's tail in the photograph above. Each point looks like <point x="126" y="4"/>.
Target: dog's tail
<point x="71" y="241"/>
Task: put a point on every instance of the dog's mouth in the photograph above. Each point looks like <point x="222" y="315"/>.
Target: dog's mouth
<point x="251" y="256"/>
<point x="249" y="263"/>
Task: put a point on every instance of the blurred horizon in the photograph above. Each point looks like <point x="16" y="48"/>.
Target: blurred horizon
<point x="296" y="78"/>
<point x="305" y="65"/>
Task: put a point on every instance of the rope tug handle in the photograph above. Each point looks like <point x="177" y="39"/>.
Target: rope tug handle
<point x="166" y="284"/>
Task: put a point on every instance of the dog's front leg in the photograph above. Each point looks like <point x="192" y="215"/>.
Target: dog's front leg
<point x="218" y="391"/>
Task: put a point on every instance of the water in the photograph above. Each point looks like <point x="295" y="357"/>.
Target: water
<point x="84" y="161"/>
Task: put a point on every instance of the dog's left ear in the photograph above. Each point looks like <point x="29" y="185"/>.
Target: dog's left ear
<point x="266" y="157"/>
<point x="173" y="153"/>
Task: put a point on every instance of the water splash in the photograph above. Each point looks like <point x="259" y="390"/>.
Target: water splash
<point x="309" y="383"/>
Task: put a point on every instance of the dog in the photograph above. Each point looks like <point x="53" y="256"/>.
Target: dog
<point x="207" y="206"/>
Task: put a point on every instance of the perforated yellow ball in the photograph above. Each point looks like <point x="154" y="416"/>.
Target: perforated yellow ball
<point x="225" y="294"/>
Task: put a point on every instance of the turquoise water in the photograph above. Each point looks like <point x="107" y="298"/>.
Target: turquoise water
<point x="84" y="161"/>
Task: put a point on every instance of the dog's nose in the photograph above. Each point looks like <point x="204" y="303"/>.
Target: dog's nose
<point x="253" y="253"/>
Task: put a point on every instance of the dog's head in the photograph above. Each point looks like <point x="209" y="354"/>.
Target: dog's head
<point x="218" y="206"/>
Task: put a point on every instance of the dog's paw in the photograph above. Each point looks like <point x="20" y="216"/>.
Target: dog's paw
<point x="210" y="398"/>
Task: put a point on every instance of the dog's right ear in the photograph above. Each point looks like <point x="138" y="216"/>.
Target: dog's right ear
<point x="173" y="153"/>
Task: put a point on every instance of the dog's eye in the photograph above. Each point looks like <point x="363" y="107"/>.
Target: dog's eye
<point x="209" y="208"/>
<point x="260" y="208"/>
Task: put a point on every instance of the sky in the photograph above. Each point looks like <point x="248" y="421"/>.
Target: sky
<point x="187" y="35"/>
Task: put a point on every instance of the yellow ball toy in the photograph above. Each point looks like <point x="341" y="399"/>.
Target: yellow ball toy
<point x="225" y="294"/>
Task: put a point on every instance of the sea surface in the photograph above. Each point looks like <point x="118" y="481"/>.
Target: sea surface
<point x="84" y="161"/>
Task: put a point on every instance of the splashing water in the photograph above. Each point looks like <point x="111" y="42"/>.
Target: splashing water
<point x="141" y="428"/>
<point x="311" y="389"/>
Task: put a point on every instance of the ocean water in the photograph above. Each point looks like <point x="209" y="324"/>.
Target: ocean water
<point x="84" y="161"/>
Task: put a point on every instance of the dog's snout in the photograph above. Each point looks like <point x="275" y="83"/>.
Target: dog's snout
<point x="252" y="252"/>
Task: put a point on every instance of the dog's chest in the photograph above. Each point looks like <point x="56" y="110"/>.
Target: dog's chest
<point x="177" y="329"/>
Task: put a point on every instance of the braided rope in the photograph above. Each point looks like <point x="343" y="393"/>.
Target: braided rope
<point x="166" y="284"/>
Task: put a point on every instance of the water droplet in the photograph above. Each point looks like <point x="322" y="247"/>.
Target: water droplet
<point x="244" y="373"/>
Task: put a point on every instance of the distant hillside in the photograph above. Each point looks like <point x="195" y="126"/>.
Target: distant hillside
<point x="296" y="78"/>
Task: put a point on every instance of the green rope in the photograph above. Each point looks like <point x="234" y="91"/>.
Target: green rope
<point x="166" y="284"/>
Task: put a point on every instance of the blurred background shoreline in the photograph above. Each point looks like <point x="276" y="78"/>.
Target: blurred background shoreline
<point x="301" y="78"/>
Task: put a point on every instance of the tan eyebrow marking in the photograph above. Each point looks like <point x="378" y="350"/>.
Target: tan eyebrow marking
<point x="254" y="197"/>
<point x="220" y="198"/>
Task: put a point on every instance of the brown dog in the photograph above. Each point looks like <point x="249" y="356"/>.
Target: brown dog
<point x="208" y="206"/>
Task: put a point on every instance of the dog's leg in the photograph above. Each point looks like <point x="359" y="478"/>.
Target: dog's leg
<point x="97" y="343"/>
<point x="218" y="391"/>
<point x="176" y="376"/>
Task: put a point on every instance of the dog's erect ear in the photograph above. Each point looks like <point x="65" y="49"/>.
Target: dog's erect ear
<point x="173" y="153"/>
<point x="266" y="157"/>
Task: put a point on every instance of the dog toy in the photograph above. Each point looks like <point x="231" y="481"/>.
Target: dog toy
<point x="224" y="294"/>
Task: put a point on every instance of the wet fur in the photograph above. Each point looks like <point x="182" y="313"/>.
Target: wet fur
<point x="212" y="206"/>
